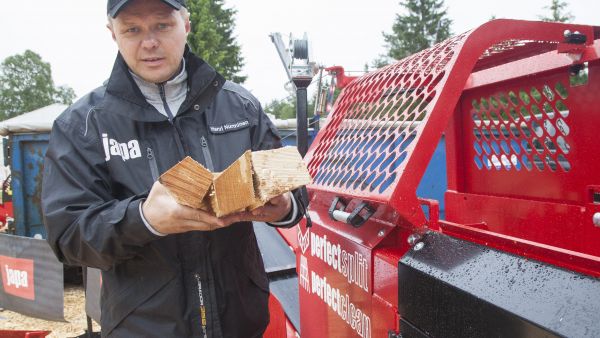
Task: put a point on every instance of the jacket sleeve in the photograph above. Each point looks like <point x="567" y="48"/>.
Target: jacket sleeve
<point x="267" y="137"/>
<point x="85" y="224"/>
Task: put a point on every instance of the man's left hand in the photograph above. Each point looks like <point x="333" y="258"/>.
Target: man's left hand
<point x="273" y="211"/>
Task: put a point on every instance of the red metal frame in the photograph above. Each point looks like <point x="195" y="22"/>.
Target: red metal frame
<point x="381" y="135"/>
<point x="279" y="325"/>
<point x="341" y="79"/>
<point x="391" y="120"/>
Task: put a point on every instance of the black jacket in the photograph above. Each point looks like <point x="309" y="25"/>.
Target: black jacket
<point x="104" y="154"/>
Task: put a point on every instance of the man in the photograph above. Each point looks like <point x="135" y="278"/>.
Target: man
<point x="168" y="270"/>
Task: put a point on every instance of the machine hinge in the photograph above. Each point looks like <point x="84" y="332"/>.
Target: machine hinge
<point x="356" y="218"/>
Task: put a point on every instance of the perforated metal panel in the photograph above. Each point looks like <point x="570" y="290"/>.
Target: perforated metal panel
<point x="522" y="129"/>
<point x="376" y="122"/>
<point x="531" y="137"/>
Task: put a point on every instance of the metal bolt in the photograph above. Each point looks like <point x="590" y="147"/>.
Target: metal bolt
<point x="419" y="246"/>
<point x="381" y="233"/>
<point x="413" y="238"/>
<point x="596" y="219"/>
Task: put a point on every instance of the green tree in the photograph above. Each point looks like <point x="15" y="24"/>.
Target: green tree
<point x="282" y="108"/>
<point x="64" y="94"/>
<point x="211" y="37"/>
<point x="379" y="62"/>
<point x="286" y="108"/>
<point x="26" y="84"/>
<point x="557" y="12"/>
<point x="425" y="24"/>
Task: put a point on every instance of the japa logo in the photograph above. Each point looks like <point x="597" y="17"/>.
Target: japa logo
<point x="127" y="150"/>
<point x="16" y="278"/>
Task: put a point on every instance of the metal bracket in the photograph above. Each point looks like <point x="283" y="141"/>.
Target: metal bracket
<point x="353" y="218"/>
<point x="575" y="37"/>
<point x="575" y="69"/>
<point x="573" y="46"/>
<point x="394" y="334"/>
<point x="11" y="227"/>
<point x="434" y="212"/>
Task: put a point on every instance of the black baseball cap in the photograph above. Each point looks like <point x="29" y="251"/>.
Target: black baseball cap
<point x="114" y="6"/>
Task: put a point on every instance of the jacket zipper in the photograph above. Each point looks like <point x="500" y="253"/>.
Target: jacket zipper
<point x="206" y="153"/>
<point x="152" y="161"/>
<point x="163" y="97"/>
<point x="202" y="307"/>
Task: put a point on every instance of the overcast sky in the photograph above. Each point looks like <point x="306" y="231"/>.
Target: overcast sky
<point x="71" y="34"/>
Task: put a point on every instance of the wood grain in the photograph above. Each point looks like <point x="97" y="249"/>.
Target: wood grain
<point x="188" y="182"/>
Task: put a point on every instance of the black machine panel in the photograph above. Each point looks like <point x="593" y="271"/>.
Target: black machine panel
<point x="454" y="288"/>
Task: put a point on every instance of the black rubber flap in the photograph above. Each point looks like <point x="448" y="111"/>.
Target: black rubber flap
<point x="276" y="254"/>
<point x="280" y="264"/>
<point x="454" y="288"/>
<point x="285" y="289"/>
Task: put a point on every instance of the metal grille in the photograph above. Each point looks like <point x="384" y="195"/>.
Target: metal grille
<point x="531" y="137"/>
<point x="522" y="129"/>
<point x="371" y="134"/>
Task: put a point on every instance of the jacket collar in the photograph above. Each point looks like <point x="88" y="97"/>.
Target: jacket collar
<point x="203" y="82"/>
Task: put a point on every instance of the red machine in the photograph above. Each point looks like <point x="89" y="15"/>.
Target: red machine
<point x="6" y="207"/>
<point x="6" y="216"/>
<point x="518" y="253"/>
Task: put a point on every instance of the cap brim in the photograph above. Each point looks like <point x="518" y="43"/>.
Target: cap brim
<point x="116" y="8"/>
<point x="173" y="3"/>
<point x="119" y="6"/>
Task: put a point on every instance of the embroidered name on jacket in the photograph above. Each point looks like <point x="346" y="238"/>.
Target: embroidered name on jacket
<point x="127" y="150"/>
<point x="227" y="127"/>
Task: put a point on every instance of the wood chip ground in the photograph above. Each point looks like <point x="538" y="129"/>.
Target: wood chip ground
<point x="74" y="314"/>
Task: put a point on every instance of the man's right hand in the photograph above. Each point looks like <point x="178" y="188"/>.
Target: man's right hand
<point x="166" y="216"/>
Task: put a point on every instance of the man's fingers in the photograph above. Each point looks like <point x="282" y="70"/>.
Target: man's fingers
<point x="196" y="225"/>
<point x="198" y="215"/>
<point x="201" y="220"/>
<point x="190" y="219"/>
<point x="233" y="218"/>
<point x="257" y="211"/>
<point x="278" y="199"/>
<point x="189" y="225"/>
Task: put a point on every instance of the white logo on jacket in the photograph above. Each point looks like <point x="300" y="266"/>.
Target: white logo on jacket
<point x="127" y="150"/>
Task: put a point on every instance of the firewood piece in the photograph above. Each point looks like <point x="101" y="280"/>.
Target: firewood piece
<point x="188" y="182"/>
<point x="233" y="188"/>
<point x="205" y="204"/>
<point x="277" y="171"/>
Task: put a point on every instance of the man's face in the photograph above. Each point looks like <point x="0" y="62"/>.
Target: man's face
<point x="151" y="37"/>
